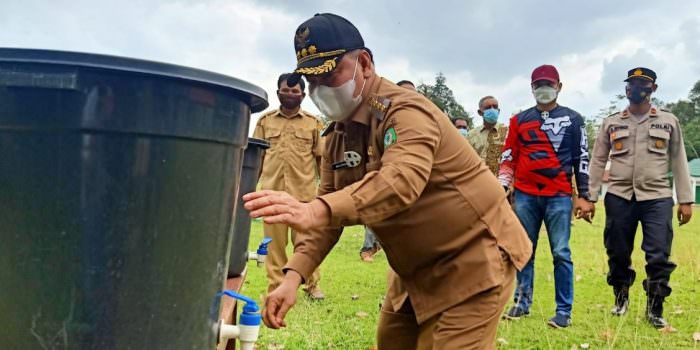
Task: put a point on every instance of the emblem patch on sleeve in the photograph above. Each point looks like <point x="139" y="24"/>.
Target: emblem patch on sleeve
<point x="389" y="137"/>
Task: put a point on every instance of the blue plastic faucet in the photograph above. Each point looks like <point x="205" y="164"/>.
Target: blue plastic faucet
<point x="251" y="312"/>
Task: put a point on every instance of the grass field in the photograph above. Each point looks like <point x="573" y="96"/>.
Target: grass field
<point x="348" y="316"/>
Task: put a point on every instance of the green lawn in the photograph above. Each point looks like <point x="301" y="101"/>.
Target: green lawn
<point x="348" y="316"/>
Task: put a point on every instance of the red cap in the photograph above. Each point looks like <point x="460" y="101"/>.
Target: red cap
<point x="545" y="72"/>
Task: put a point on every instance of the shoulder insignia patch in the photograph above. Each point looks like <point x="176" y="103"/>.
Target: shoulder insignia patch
<point x="379" y="106"/>
<point x="613" y="114"/>
<point x="390" y="137"/>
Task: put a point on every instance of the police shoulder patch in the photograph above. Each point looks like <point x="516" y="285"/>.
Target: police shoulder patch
<point x="390" y="137"/>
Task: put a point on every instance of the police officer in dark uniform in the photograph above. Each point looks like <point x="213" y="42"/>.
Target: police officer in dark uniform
<point x="643" y="143"/>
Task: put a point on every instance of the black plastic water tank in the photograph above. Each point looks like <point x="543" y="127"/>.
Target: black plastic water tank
<point x="117" y="179"/>
<point x="252" y="161"/>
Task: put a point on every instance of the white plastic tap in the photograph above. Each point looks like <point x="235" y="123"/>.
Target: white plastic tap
<point x="247" y="335"/>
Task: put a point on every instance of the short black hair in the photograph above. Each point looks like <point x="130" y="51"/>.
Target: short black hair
<point x="454" y="120"/>
<point x="284" y="77"/>
<point x="403" y="82"/>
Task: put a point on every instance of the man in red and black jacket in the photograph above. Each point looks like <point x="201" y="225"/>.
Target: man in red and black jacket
<point x="546" y="145"/>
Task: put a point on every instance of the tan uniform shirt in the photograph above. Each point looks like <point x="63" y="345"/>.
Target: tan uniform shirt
<point x="290" y="162"/>
<point x="642" y="151"/>
<point x="488" y="144"/>
<point x="438" y="213"/>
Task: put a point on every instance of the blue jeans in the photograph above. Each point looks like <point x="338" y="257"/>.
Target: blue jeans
<point x="556" y="214"/>
<point x="370" y="241"/>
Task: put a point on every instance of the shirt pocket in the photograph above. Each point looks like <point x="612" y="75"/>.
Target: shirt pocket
<point x="303" y="140"/>
<point x="619" y="142"/>
<point x="273" y="136"/>
<point x="658" y="141"/>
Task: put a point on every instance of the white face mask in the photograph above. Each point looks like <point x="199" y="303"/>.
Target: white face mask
<point x="545" y="94"/>
<point x="337" y="103"/>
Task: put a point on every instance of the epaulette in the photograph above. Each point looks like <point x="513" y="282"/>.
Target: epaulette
<point x="307" y="114"/>
<point x="268" y="113"/>
<point x="625" y="113"/>
<point x="328" y="129"/>
<point x="379" y="106"/>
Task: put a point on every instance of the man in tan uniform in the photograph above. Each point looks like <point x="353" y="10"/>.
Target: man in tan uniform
<point x="290" y="164"/>
<point x="370" y="245"/>
<point x="488" y="139"/>
<point x="393" y="162"/>
<point x="643" y="143"/>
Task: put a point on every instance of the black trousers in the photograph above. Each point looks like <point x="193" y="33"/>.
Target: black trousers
<point x="621" y="219"/>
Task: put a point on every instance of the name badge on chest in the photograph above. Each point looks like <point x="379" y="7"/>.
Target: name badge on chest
<point x="351" y="159"/>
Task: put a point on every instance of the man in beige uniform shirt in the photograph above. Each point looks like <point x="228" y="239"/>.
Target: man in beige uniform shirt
<point x="488" y="139"/>
<point x="392" y="161"/>
<point x="643" y="144"/>
<point x="290" y="164"/>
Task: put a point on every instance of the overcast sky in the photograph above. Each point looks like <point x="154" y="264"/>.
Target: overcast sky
<point x="482" y="47"/>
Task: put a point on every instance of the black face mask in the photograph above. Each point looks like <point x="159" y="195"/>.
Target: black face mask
<point x="290" y="101"/>
<point x="638" y="94"/>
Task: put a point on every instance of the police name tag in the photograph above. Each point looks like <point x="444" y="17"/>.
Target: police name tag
<point x="351" y="159"/>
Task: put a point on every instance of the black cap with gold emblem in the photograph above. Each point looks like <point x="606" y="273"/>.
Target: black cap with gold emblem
<point x="641" y="73"/>
<point x="322" y="40"/>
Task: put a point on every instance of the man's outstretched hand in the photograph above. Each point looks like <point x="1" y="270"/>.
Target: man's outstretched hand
<point x="277" y="207"/>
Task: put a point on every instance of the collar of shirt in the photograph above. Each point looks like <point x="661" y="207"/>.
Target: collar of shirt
<point x="652" y="112"/>
<point x="484" y="128"/>
<point x="362" y="115"/>
<point x="281" y="114"/>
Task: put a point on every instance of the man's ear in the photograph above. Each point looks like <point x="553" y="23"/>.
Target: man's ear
<point x="479" y="112"/>
<point x="365" y="61"/>
<point x="654" y="87"/>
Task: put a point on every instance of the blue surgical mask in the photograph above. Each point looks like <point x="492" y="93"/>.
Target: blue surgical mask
<point x="464" y="132"/>
<point x="491" y="116"/>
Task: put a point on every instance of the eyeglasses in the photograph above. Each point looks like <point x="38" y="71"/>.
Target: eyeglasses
<point x="494" y="106"/>
<point x="461" y="127"/>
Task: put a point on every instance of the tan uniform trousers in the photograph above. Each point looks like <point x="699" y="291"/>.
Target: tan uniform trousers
<point x="277" y="257"/>
<point x="471" y="324"/>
